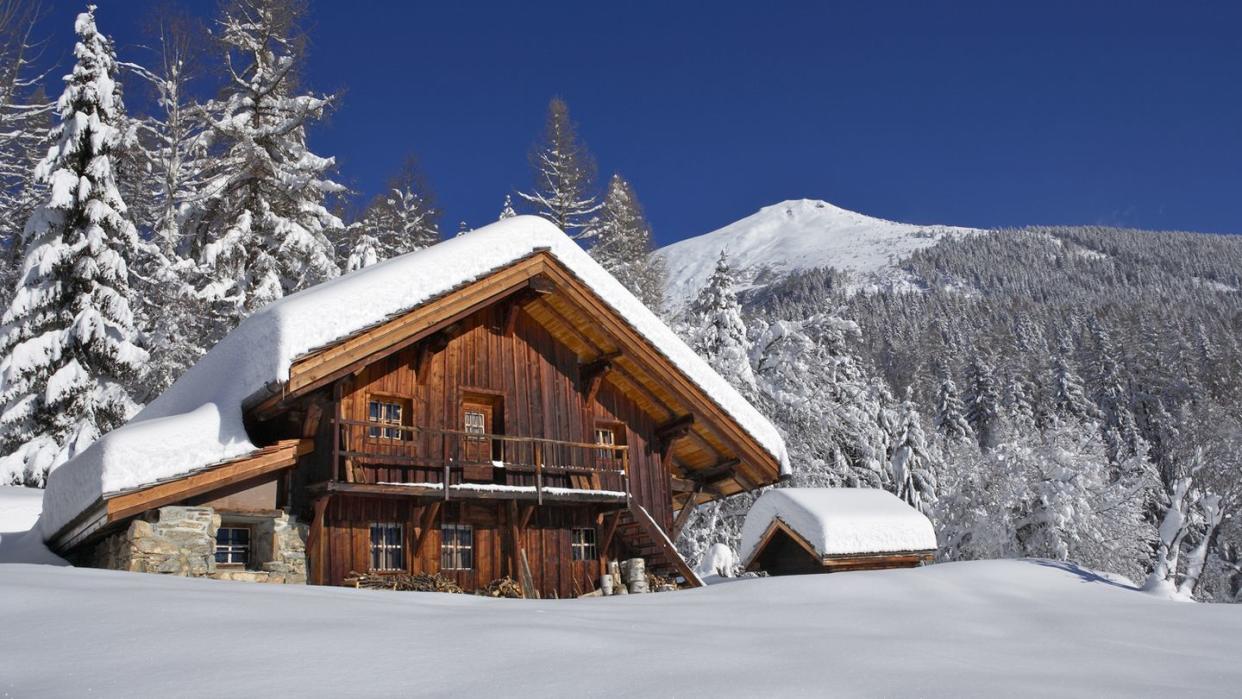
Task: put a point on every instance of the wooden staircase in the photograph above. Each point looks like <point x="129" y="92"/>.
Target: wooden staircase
<point x="645" y="538"/>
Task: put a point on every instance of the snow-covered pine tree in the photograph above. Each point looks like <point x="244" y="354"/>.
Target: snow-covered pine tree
<point x="1069" y="398"/>
<point x="260" y="230"/>
<point x="717" y="331"/>
<point x="400" y="220"/>
<point x="507" y="211"/>
<point x="622" y="244"/>
<point x="564" y="175"/>
<point x="68" y="343"/>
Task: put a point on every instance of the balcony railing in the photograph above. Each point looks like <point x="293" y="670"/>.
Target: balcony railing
<point x="374" y="452"/>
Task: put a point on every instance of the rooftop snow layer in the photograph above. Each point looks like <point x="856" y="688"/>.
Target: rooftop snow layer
<point x="837" y="521"/>
<point x="197" y="422"/>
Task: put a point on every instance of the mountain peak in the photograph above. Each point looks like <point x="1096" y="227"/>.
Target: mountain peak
<point x="795" y="235"/>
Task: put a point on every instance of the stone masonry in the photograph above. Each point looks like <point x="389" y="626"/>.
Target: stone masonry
<point x="178" y="540"/>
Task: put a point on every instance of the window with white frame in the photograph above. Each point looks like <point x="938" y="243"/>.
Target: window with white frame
<point x="385" y="412"/>
<point x="233" y="546"/>
<point x="387" y="546"/>
<point x="582" y="545"/>
<point x="456" y="547"/>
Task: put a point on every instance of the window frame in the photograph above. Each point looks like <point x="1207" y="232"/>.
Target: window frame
<point x="587" y="545"/>
<point x="382" y="424"/>
<point x="230" y="550"/>
<point x="452" y="550"/>
<point x="387" y="555"/>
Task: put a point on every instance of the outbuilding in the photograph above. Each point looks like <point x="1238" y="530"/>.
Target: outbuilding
<point x="792" y="531"/>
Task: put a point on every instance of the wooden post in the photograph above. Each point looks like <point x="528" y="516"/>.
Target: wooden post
<point x="625" y="473"/>
<point x="317" y="538"/>
<point x="538" y="473"/>
<point x="336" y="432"/>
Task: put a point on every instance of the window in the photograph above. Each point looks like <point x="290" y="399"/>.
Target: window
<point x="387" y="546"/>
<point x="605" y="435"/>
<point x="476" y="419"/>
<point x="233" y="546"/>
<point x="385" y="413"/>
<point x="583" y="544"/>
<point x="456" y="547"/>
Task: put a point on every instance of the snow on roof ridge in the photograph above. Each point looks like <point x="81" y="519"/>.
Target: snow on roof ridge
<point x="838" y="521"/>
<point x="197" y="422"/>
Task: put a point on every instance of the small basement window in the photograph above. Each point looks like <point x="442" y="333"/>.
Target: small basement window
<point x="233" y="546"/>
<point x="456" y="547"/>
<point x="385" y="412"/>
<point x="583" y="544"/>
<point x="387" y="546"/>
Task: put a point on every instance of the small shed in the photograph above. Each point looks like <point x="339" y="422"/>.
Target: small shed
<point x="790" y="531"/>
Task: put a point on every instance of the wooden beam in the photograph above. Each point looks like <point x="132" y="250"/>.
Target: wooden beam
<point x="314" y="414"/>
<point x="718" y="472"/>
<point x="559" y="317"/>
<point x="524" y="518"/>
<point x="316" y="539"/>
<point x="610" y="530"/>
<point x="425" y="523"/>
<point x="591" y="375"/>
<point x="542" y="285"/>
<point x="675" y="429"/>
<point x="683" y="516"/>
<point x="267" y="460"/>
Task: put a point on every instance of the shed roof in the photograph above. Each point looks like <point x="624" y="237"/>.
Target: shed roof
<point x="839" y="521"/>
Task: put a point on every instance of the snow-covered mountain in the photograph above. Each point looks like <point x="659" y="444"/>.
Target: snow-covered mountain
<point x="795" y="235"/>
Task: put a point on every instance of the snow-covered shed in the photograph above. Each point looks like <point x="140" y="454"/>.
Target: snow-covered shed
<point x="498" y="381"/>
<point x="824" y="530"/>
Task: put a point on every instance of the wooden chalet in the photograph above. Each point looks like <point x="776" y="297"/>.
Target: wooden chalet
<point x="516" y="424"/>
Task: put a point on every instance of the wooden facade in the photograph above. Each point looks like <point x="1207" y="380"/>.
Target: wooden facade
<point x="518" y="414"/>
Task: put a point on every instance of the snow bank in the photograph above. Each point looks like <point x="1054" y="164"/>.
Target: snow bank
<point x="19" y="512"/>
<point x="840" y="521"/>
<point x="197" y="422"/>
<point x="977" y="629"/>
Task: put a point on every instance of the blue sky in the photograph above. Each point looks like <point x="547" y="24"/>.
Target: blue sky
<point x="980" y="114"/>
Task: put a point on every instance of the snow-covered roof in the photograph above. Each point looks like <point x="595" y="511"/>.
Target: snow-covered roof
<point x="197" y="422"/>
<point x="840" y="521"/>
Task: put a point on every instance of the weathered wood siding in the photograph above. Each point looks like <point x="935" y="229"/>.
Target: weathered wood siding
<point x="534" y="376"/>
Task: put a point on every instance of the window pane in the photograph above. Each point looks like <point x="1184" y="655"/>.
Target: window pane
<point x="373" y="410"/>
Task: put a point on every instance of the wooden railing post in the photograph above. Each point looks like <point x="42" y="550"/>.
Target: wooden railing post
<point x="625" y="473"/>
<point x="538" y="473"/>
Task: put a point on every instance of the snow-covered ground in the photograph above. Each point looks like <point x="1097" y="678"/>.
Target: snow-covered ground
<point x="1016" y="628"/>
<point x="795" y="235"/>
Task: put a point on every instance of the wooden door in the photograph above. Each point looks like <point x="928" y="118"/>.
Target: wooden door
<point x="476" y="419"/>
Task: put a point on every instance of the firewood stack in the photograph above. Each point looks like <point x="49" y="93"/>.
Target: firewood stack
<point x="405" y="582"/>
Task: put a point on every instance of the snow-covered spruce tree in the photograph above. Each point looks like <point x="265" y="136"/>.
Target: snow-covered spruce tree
<point x="950" y="418"/>
<point x="718" y="332"/>
<point x="622" y="244"/>
<point x="983" y="408"/>
<point x="507" y="211"/>
<point x="400" y="220"/>
<point x="1069" y="398"/>
<point x="68" y="342"/>
<point x="260" y="229"/>
<point x="911" y="463"/>
<point x="564" y="191"/>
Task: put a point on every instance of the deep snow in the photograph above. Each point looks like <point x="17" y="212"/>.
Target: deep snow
<point x="794" y="235"/>
<point x="197" y="422"/>
<point x="1012" y="628"/>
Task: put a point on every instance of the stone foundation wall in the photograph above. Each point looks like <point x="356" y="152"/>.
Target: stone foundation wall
<point x="178" y="540"/>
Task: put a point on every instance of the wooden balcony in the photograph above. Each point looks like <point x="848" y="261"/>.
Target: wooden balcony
<point x="384" y="459"/>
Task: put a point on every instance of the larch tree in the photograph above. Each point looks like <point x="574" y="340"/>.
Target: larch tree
<point x="68" y="339"/>
<point x="622" y="244"/>
<point x="260" y="229"/>
<point x="564" y="191"/>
